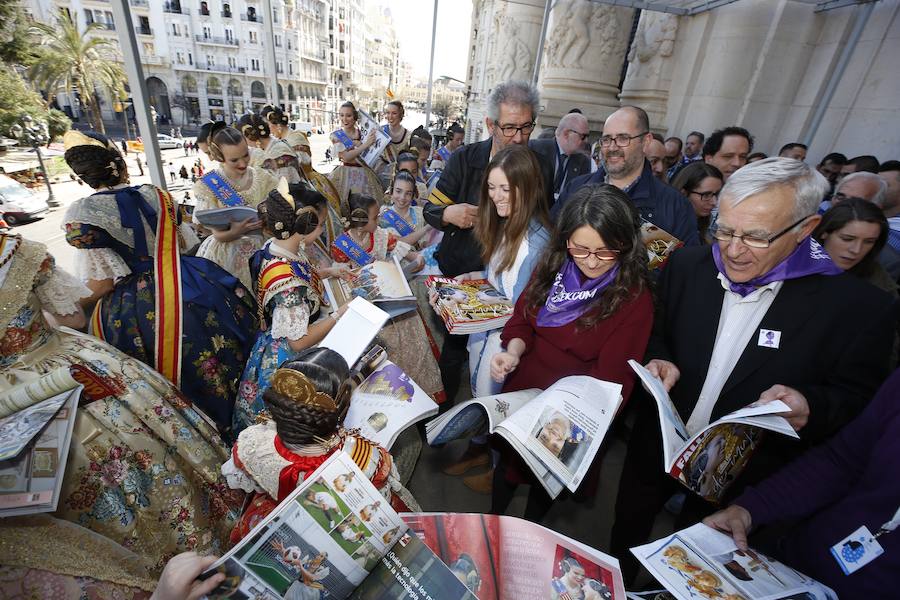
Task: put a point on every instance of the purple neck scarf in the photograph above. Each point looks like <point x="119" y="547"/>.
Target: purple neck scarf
<point x="809" y="258"/>
<point x="569" y="298"/>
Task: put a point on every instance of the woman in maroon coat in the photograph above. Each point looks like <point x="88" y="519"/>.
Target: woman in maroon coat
<point x="586" y="311"/>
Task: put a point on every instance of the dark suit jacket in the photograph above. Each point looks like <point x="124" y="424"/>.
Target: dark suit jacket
<point x="577" y="165"/>
<point x="657" y="202"/>
<point x="836" y="339"/>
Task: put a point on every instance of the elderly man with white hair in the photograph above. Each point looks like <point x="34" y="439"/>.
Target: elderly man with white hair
<point x="863" y="184"/>
<point x="762" y="314"/>
<point x="565" y="150"/>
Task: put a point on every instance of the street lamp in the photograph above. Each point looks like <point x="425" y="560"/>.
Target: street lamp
<point x="35" y="134"/>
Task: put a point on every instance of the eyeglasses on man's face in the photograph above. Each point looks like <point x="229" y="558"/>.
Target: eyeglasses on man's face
<point x="582" y="136"/>
<point x="724" y="234"/>
<point x="582" y="253"/>
<point x="622" y="140"/>
<point x="511" y="130"/>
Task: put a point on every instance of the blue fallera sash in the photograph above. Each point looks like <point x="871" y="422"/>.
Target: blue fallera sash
<point x="387" y="131"/>
<point x="343" y="138"/>
<point x="222" y="189"/>
<point x="444" y="153"/>
<point x="354" y="251"/>
<point x="397" y="222"/>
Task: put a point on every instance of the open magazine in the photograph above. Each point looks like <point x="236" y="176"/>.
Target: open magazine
<point x="469" y="306"/>
<point x="501" y="557"/>
<point x="659" y="243"/>
<point x="366" y="124"/>
<point x="387" y="402"/>
<point x="557" y="432"/>
<point x="700" y="562"/>
<point x="711" y="459"/>
<point x="222" y="218"/>
<point x="355" y="330"/>
<point x="334" y="537"/>
<point x="381" y="282"/>
<point x="34" y="443"/>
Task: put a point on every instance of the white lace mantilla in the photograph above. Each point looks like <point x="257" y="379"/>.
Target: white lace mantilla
<point x="290" y="322"/>
<point x="99" y="264"/>
<point x="61" y="292"/>
<point x="101" y="210"/>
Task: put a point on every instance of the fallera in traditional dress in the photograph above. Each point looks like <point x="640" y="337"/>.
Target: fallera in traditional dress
<point x="352" y="176"/>
<point x="143" y="467"/>
<point x="289" y="293"/>
<point x="233" y="256"/>
<point x="119" y="237"/>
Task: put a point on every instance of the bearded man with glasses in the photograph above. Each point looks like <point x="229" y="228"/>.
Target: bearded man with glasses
<point x="763" y="314"/>
<point x="626" y="132"/>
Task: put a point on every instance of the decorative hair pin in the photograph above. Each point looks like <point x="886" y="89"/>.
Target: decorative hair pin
<point x="285" y="191"/>
<point x="297" y="386"/>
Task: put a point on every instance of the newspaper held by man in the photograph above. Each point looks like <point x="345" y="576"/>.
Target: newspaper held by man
<point x="711" y="459"/>
<point x="557" y="432"/>
<point x="700" y="562"/>
<point x="500" y="557"/>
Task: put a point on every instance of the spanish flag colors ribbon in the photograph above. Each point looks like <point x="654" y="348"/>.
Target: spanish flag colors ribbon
<point x="169" y="301"/>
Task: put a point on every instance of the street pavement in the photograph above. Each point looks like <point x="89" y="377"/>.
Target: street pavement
<point x="49" y="230"/>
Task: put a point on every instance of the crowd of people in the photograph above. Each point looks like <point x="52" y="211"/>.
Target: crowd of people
<point x="213" y="399"/>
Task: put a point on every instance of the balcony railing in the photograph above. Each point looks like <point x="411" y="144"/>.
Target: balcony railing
<point x="217" y="68"/>
<point x="144" y="31"/>
<point x="106" y="26"/>
<point x="175" y="8"/>
<point x="154" y="60"/>
<point x="255" y="18"/>
<point x="217" y="40"/>
<point x="140" y="3"/>
<point x="226" y="14"/>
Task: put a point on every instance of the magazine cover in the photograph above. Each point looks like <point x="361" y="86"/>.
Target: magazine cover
<point x="500" y="558"/>
<point x="469" y="306"/>
<point x="381" y="281"/>
<point x="222" y="218"/>
<point x="660" y="244"/>
<point x="700" y="562"/>
<point x="366" y="124"/>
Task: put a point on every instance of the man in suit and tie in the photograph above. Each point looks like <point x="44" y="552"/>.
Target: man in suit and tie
<point x="565" y="150"/>
<point x="762" y="314"/>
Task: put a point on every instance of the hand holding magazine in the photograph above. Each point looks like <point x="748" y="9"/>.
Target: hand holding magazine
<point x="381" y="282"/>
<point x="366" y="124"/>
<point x="470" y="306"/>
<point x="710" y="460"/>
<point x="222" y="218"/>
<point x="700" y="562"/>
<point x="557" y="432"/>
<point x="355" y="330"/>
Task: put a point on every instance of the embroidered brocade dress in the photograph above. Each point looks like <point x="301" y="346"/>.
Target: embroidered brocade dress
<point x="289" y="303"/>
<point x="405" y="338"/>
<point x="385" y="166"/>
<point x="234" y="256"/>
<point x="115" y="234"/>
<point x="143" y="466"/>
<point x="353" y="176"/>
<point x="262" y="464"/>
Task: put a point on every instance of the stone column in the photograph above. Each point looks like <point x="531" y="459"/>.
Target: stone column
<point x="583" y="56"/>
<point x="649" y="74"/>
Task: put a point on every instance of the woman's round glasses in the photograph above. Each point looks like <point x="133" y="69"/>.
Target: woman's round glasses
<point x="582" y="253"/>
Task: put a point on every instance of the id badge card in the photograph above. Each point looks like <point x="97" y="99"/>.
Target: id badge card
<point x="856" y="550"/>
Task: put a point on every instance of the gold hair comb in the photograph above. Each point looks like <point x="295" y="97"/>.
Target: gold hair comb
<point x="74" y="138"/>
<point x="296" y="386"/>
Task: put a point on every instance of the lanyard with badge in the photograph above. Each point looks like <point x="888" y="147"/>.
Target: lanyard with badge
<point x="861" y="547"/>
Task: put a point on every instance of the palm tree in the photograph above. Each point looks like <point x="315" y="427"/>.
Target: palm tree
<point x="68" y="59"/>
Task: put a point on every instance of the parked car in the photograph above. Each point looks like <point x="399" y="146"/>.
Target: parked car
<point x="304" y="126"/>
<point x="167" y="142"/>
<point x="19" y="204"/>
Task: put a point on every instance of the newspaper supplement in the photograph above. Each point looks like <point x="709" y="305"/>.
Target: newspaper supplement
<point x="557" y="432"/>
<point x="710" y="460"/>
<point x="381" y="282"/>
<point x="500" y="557"/>
<point x="327" y="535"/>
<point x="386" y="403"/>
<point x="373" y="153"/>
<point x="469" y="306"/>
<point x="700" y="562"/>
